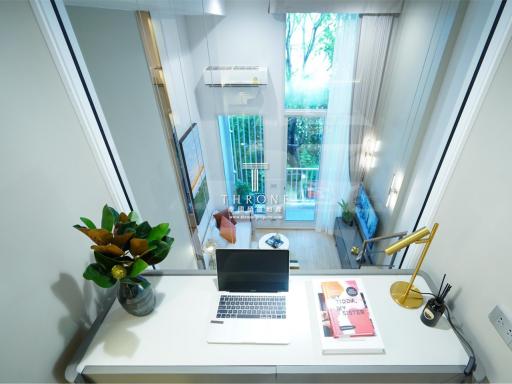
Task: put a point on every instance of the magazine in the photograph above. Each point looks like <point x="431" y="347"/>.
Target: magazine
<point x="345" y="319"/>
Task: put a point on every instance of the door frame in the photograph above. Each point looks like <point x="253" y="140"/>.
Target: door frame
<point x="54" y="22"/>
<point x="302" y="224"/>
<point x="52" y="18"/>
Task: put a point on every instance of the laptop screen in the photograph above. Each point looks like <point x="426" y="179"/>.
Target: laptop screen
<point x="253" y="270"/>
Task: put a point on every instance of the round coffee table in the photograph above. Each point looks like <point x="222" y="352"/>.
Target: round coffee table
<point x="263" y="245"/>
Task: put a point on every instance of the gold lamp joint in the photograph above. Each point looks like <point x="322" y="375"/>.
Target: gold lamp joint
<point x="405" y="293"/>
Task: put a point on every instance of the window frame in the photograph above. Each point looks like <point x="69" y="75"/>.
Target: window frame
<point x="312" y="113"/>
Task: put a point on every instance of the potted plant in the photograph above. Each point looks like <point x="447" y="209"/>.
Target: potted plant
<point x="123" y="249"/>
<point x="347" y="215"/>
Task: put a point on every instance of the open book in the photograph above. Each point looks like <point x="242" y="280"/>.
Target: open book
<point x="344" y="317"/>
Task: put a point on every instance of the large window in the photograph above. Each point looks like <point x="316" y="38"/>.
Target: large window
<point x="309" y="52"/>
<point x="242" y="149"/>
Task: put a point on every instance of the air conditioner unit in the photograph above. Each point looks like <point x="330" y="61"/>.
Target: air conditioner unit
<point x="235" y="76"/>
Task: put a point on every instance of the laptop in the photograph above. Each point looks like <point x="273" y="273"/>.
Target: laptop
<point x="251" y="304"/>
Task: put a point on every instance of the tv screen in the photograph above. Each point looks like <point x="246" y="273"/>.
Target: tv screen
<point x="192" y="158"/>
<point x="366" y="215"/>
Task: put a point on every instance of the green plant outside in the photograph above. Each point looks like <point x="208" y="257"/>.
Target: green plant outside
<point x="309" y="51"/>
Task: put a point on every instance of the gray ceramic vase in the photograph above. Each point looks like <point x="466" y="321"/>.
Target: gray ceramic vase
<point x="137" y="299"/>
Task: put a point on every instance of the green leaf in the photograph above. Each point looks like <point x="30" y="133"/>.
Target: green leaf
<point x="99" y="236"/>
<point x="108" y="218"/>
<point x="158" y="232"/>
<point x="132" y="216"/>
<point x="88" y="223"/>
<point x="107" y="261"/>
<point x="168" y="240"/>
<point x="138" y="246"/>
<point x="159" y="254"/>
<point x="143" y="230"/>
<point x="138" y="267"/>
<point x="115" y="214"/>
<point x="123" y="228"/>
<point x="98" y="274"/>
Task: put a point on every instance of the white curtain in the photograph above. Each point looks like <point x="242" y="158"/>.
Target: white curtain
<point x="371" y="57"/>
<point x="334" y="165"/>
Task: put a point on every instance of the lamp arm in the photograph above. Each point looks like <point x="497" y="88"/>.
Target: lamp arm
<point x="420" y="261"/>
<point x="384" y="237"/>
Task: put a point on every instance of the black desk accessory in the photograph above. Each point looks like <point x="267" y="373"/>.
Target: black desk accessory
<point x="435" y="307"/>
<point x="433" y="311"/>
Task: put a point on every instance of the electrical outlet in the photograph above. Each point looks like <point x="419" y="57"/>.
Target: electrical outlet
<point x="502" y="324"/>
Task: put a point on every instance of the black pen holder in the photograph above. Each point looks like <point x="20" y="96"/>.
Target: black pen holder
<point x="432" y="312"/>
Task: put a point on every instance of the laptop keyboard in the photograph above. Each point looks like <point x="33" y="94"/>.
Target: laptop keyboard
<point x="251" y="307"/>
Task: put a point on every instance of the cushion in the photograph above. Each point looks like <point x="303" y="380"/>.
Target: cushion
<point x="227" y="230"/>
<point x="224" y="213"/>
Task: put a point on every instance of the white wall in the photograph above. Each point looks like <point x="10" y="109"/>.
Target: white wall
<point x="473" y="241"/>
<point x="418" y="44"/>
<point x="246" y="35"/>
<point x="172" y="39"/>
<point x="475" y="25"/>
<point x="49" y="179"/>
<point x="116" y="61"/>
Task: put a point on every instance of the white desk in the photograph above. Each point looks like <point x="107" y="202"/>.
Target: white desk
<point x="170" y="344"/>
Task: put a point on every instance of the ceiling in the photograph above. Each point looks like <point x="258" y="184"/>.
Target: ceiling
<point x="175" y="7"/>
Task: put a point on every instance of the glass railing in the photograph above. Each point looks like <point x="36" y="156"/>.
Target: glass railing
<point x="301" y="193"/>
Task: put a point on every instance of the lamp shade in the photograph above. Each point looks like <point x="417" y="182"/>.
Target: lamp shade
<point x="407" y="240"/>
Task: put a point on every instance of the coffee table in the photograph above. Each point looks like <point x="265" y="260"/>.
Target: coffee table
<point x="263" y="245"/>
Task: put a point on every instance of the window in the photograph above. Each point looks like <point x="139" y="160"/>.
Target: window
<point x="309" y="52"/>
<point x="303" y="166"/>
<point x="242" y="146"/>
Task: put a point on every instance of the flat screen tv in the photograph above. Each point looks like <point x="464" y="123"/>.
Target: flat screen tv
<point x="365" y="214"/>
<point x="192" y="157"/>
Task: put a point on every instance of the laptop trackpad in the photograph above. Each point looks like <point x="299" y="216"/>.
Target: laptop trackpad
<point x="248" y="331"/>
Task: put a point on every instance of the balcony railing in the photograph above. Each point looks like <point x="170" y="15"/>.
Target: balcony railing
<point x="301" y="185"/>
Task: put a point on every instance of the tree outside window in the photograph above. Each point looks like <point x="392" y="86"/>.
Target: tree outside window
<point x="309" y="51"/>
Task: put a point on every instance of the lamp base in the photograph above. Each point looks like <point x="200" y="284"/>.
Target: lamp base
<point x="413" y="299"/>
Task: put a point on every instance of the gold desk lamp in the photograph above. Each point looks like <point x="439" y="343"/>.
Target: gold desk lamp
<point x="405" y="293"/>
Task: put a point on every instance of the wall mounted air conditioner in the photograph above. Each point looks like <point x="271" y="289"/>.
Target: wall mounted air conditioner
<point x="235" y="76"/>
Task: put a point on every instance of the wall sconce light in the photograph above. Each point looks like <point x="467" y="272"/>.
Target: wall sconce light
<point x="370" y="148"/>
<point x="394" y="189"/>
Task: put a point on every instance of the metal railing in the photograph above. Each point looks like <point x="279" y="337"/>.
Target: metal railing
<point x="246" y="139"/>
<point x="301" y="185"/>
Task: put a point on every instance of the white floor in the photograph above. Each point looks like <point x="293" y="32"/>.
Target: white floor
<point x="313" y="250"/>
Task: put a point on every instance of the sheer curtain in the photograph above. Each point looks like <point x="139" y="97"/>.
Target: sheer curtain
<point x="371" y="57"/>
<point x="334" y="183"/>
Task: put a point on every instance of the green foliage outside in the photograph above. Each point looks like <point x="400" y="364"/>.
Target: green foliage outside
<point x="243" y="190"/>
<point x="309" y="53"/>
<point x="304" y="141"/>
<point x="247" y="146"/>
